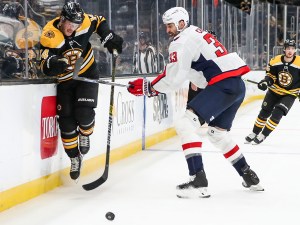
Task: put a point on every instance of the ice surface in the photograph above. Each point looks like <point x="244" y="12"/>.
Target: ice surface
<point x="140" y="190"/>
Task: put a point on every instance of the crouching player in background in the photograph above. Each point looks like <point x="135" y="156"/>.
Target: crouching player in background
<point x="197" y="56"/>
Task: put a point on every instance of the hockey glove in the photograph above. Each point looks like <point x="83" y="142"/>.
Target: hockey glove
<point x="262" y="85"/>
<point x="12" y="65"/>
<point x="56" y="64"/>
<point x="140" y="87"/>
<point x="265" y="83"/>
<point x="113" y="41"/>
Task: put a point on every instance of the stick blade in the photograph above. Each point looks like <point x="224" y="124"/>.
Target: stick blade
<point x="93" y="185"/>
<point x="77" y="67"/>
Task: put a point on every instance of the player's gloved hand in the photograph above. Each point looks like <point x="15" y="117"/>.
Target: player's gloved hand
<point x="113" y="41"/>
<point x="140" y="87"/>
<point x="262" y="85"/>
<point x="12" y="65"/>
<point x="57" y="64"/>
<point x="265" y="83"/>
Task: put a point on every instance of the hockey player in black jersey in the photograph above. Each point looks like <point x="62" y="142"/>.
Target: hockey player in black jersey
<point x="64" y="40"/>
<point x="283" y="74"/>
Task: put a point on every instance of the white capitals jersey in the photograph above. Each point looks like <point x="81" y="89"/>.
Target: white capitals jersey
<point x="197" y="56"/>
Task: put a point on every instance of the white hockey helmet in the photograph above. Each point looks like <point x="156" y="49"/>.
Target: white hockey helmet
<point x="176" y="14"/>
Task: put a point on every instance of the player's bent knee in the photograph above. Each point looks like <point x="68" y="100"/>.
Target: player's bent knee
<point x="265" y="113"/>
<point x="219" y="138"/>
<point x="84" y="115"/>
<point x="280" y="110"/>
<point x="67" y="124"/>
<point x="188" y="123"/>
<point x="215" y="135"/>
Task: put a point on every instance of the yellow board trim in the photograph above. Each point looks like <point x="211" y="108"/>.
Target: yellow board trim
<point x="252" y="99"/>
<point x="32" y="189"/>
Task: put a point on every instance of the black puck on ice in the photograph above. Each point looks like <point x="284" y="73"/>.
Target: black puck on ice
<point x="110" y="216"/>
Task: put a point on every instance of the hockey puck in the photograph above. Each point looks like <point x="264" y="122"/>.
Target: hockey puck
<point x="110" y="216"/>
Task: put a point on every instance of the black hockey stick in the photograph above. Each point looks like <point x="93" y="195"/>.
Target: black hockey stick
<point x="280" y="90"/>
<point x="96" y="183"/>
<point x="98" y="81"/>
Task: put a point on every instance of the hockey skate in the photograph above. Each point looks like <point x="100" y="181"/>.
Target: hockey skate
<point x="195" y="188"/>
<point x="259" y="139"/>
<point x="250" y="138"/>
<point x="251" y="180"/>
<point x="84" y="144"/>
<point x="76" y="163"/>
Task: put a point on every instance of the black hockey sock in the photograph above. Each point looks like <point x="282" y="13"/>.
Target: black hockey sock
<point x="259" y="125"/>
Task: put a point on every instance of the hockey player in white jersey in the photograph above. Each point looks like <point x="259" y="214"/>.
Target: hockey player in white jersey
<point x="197" y="56"/>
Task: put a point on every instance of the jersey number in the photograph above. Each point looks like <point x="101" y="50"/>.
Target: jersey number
<point x="209" y="38"/>
<point x="173" y="57"/>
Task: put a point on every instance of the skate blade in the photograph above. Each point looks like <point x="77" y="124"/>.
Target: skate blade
<point x="247" y="142"/>
<point x="257" y="187"/>
<point x="254" y="143"/>
<point x="193" y="193"/>
<point x="188" y="197"/>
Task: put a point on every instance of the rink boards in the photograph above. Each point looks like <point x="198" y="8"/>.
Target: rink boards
<point x="32" y="158"/>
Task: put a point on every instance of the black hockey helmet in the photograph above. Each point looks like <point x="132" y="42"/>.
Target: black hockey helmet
<point x="289" y="42"/>
<point x="12" y="10"/>
<point x="73" y="12"/>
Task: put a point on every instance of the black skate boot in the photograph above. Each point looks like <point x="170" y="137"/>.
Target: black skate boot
<point x="75" y="166"/>
<point x="84" y="144"/>
<point x="250" y="138"/>
<point x="259" y="139"/>
<point x="195" y="188"/>
<point x="251" y="180"/>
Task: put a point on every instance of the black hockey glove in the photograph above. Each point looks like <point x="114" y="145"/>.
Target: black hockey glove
<point x="56" y="64"/>
<point x="113" y="41"/>
<point x="12" y="65"/>
<point x="265" y="83"/>
<point x="262" y="85"/>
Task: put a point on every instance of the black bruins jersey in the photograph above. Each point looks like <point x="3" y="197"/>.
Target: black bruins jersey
<point x="53" y="42"/>
<point x="286" y="75"/>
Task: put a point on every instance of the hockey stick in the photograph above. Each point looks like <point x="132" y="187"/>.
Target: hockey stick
<point x="96" y="183"/>
<point x="280" y="90"/>
<point x="97" y="81"/>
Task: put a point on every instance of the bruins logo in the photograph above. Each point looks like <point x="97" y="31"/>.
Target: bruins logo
<point x="285" y="78"/>
<point x="72" y="55"/>
<point x="49" y="34"/>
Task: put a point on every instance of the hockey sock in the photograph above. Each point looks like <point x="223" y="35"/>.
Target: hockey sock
<point x="273" y="121"/>
<point x="259" y="125"/>
<point x="270" y="126"/>
<point x="194" y="164"/>
<point x="70" y="143"/>
<point x="238" y="165"/>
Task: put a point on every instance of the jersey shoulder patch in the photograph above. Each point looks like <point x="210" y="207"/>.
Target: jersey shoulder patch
<point x="86" y="23"/>
<point x="276" y="60"/>
<point x="51" y="37"/>
<point x="297" y="61"/>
